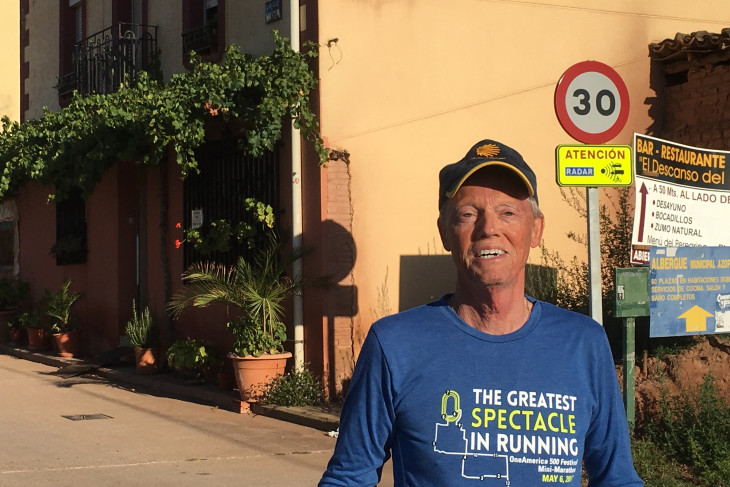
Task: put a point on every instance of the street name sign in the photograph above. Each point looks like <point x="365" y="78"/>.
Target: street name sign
<point x="690" y="291"/>
<point x="594" y="165"/>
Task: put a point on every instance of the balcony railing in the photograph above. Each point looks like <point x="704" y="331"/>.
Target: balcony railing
<point x="111" y="58"/>
<point x="202" y="39"/>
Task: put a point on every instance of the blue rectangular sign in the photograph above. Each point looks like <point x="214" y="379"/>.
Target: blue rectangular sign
<point x="689" y="291"/>
<point x="579" y="171"/>
<point x="273" y="11"/>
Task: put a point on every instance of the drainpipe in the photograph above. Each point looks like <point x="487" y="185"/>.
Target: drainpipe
<point x="296" y="163"/>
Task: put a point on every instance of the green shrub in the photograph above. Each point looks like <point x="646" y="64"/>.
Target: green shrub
<point x="296" y="388"/>
<point x="695" y="431"/>
<point x="656" y="467"/>
<point x="195" y="355"/>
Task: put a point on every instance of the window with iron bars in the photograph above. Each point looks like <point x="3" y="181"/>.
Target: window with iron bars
<point x="203" y="29"/>
<point x="227" y="177"/>
<point x="70" y="246"/>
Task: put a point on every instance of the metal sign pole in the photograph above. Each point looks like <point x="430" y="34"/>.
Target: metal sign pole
<point x="632" y="300"/>
<point x="629" y="367"/>
<point x="594" y="255"/>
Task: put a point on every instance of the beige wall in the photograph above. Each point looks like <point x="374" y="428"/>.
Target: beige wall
<point x="247" y="28"/>
<point x="168" y="17"/>
<point x="10" y="60"/>
<point x="42" y="56"/>
<point x="411" y="85"/>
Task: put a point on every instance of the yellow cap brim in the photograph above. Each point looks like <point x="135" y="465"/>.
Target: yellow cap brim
<point x="452" y="191"/>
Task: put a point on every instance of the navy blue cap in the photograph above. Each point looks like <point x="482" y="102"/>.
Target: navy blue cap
<point x="483" y="154"/>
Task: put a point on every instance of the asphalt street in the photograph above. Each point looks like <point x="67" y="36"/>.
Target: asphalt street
<point x="86" y="430"/>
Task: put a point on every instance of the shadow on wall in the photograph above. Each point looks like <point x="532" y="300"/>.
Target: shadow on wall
<point x="340" y="304"/>
<point x="426" y="278"/>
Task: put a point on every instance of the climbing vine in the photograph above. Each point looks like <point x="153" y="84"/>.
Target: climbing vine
<point x="221" y="235"/>
<point x="72" y="148"/>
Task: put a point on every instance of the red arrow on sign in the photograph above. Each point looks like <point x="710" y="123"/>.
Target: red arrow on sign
<point x="642" y="215"/>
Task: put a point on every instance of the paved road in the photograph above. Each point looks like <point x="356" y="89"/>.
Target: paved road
<point x="125" y="437"/>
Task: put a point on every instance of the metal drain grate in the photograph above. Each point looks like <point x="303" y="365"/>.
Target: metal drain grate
<point x="84" y="417"/>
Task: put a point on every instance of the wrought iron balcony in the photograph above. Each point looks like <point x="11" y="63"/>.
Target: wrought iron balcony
<point x="112" y="58"/>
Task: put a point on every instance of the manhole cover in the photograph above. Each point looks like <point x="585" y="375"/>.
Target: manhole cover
<point x="84" y="417"/>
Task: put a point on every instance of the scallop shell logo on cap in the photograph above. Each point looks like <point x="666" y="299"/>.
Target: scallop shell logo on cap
<point x="487" y="150"/>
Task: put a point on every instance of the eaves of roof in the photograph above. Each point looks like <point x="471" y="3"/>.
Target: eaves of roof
<point x="695" y="49"/>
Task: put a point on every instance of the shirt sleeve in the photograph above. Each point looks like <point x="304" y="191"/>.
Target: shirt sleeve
<point x="366" y="422"/>
<point x="607" y="457"/>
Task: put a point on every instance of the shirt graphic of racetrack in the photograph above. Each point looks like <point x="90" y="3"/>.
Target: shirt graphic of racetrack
<point x="535" y="430"/>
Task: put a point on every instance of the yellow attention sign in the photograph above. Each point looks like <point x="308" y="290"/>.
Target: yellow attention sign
<point x="594" y="165"/>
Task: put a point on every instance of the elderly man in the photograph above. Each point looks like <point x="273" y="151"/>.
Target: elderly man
<point x="486" y="386"/>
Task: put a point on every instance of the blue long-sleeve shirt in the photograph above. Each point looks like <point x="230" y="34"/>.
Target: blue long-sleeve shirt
<point x="455" y="406"/>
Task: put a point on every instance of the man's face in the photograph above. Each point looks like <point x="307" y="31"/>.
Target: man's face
<point x="489" y="227"/>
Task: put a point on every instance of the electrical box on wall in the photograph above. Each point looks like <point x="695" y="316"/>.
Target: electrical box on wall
<point x="632" y="292"/>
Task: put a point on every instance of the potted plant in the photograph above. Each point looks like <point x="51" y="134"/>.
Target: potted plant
<point x="12" y="293"/>
<point x="64" y="328"/>
<point x="16" y="331"/>
<point x="143" y="337"/>
<point x="193" y="358"/>
<point x="37" y="328"/>
<point x="256" y="289"/>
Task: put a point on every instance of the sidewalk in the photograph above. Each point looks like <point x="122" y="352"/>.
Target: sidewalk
<point x="325" y="418"/>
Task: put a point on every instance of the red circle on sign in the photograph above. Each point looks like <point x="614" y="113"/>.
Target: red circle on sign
<point x="561" y="109"/>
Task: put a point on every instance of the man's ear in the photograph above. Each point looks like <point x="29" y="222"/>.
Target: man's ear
<point x="537" y="229"/>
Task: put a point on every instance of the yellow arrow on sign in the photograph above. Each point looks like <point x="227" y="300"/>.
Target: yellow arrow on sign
<point x="696" y="318"/>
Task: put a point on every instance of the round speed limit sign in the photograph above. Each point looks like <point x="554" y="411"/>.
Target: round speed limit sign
<point x="592" y="102"/>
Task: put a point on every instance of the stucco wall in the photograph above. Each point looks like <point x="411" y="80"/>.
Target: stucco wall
<point x="410" y="85"/>
<point x="10" y="64"/>
<point x="42" y="58"/>
<point x="168" y="16"/>
<point x="246" y="26"/>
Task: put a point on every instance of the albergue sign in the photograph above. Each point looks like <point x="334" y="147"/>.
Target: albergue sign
<point x="680" y="190"/>
<point x="690" y="291"/>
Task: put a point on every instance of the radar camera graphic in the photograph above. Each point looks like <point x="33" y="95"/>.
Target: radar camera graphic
<point x="613" y="171"/>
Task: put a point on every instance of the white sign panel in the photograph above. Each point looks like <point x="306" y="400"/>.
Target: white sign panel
<point x="196" y="218"/>
<point x="681" y="194"/>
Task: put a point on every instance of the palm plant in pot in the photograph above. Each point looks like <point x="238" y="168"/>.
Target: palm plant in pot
<point x="143" y="337"/>
<point x="64" y="328"/>
<point x="256" y="289"/>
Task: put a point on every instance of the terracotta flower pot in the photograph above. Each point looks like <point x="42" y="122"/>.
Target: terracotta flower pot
<point x="38" y="339"/>
<point x="253" y="373"/>
<point x="145" y="360"/>
<point x="68" y="343"/>
<point x="16" y="336"/>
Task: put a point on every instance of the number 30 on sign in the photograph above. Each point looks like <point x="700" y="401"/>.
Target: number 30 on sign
<point x="592" y="102"/>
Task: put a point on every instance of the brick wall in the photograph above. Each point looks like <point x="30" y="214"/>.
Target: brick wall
<point x="696" y="111"/>
<point x="342" y="299"/>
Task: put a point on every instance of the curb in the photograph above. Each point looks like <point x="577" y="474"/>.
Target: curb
<point x="325" y="418"/>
